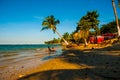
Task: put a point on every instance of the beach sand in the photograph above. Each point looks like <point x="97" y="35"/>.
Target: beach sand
<point x="73" y="64"/>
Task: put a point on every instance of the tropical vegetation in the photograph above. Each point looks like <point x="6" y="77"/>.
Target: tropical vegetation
<point x="109" y="27"/>
<point x="87" y="26"/>
<point x="50" y="23"/>
<point x="87" y="22"/>
<point x="54" y="41"/>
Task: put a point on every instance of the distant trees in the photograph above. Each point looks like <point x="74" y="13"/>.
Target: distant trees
<point x="54" y="41"/>
<point x="66" y="36"/>
<point x="109" y="27"/>
<point x="50" y="23"/>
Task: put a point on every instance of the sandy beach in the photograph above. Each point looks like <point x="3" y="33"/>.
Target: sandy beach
<point x="73" y="64"/>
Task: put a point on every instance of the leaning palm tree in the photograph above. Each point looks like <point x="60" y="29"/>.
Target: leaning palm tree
<point x="116" y="17"/>
<point x="50" y="23"/>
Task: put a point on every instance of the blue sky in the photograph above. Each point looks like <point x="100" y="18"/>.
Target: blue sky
<point x="20" y="20"/>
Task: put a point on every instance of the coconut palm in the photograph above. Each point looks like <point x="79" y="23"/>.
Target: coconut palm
<point x="50" y="23"/>
<point x="87" y="22"/>
<point x="116" y="17"/>
<point x="67" y="36"/>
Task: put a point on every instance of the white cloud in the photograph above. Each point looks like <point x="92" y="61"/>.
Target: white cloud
<point x="38" y="17"/>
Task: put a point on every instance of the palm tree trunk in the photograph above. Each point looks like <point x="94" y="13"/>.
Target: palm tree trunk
<point x="85" y="42"/>
<point x="116" y="17"/>
<point x="62" y="38"/>
<point x="53" y="27"/>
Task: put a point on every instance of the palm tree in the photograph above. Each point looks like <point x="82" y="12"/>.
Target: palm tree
<point x="67" y="36"/>
<point x="116" y="17"/>
<point x="50" y="23"/>
<point x="87" y="22"/>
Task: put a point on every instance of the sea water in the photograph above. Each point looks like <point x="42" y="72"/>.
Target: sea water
<point x="10" y="54"/>
<point x="6" y="48"/>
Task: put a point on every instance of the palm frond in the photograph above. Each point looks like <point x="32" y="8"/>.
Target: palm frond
<point x="44" y="28"/>
<point x="57" y="22"/>
<point x="45" y="23"/>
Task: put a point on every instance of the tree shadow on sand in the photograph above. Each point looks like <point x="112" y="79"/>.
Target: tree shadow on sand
<point x="105" y="66"/>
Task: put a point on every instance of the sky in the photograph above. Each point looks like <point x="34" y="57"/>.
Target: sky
<point x="20" y="20"/>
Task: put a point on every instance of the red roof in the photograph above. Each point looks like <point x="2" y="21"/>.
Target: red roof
<point x="109" y="34"/>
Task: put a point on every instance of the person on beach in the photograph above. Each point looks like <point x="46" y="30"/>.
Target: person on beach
<point x="51" y="50"/>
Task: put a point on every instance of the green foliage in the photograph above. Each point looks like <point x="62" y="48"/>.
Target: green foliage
<point x="54" y="41"/>
<point x="50" y="23"/>
<point x="83" y="29"/>
<point x="67" y="36"/>
<point x="92" y="33"/>
<point x="109" y="28"/>
<point x="87" y="22"/>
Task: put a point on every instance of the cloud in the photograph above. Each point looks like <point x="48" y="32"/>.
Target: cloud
<point x="38" y="17"/>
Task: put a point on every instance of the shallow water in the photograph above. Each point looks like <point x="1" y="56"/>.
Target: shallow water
<point x="10" y="54"/>
<point x="21" y="61"/>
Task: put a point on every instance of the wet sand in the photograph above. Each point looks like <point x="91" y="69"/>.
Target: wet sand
<point x="15" y="70"/>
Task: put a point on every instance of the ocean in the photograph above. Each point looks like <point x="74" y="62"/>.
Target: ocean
<point x="10" y="54"/>
<point x="8" y="48"/>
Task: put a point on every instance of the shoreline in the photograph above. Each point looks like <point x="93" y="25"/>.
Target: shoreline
<point x="25" y="64"/>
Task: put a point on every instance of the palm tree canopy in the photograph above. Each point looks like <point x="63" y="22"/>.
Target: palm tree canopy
<point x="89" y="21"/>
<point x="50" y="23"/>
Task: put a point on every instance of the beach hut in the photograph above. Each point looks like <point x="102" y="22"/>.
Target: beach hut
<point x="109" y="35"/>
<point x="96" y="39"/>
